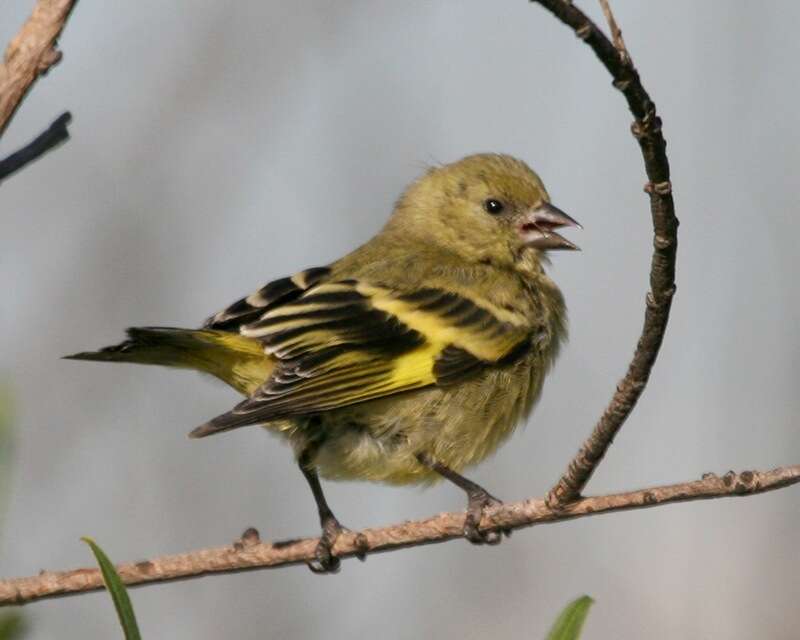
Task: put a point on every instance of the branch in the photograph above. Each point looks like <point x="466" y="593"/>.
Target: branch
<point x="30" y="54"/>
<point x="647" y="130"/>
<point x="250" y="553"/>
<point x="616" y="32"/>
<point x="53" y="136"/>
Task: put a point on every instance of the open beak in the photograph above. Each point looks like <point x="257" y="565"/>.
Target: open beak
<point x="537" y="228"/>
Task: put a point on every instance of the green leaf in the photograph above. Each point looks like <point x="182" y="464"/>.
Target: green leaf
<point x="12" y="626"/>
<point x="122" y="603"/>
<point x="569" y="624"/>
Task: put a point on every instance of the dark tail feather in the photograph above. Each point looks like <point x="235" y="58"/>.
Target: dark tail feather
<point x="234" y="359"/>
<point x="147" y="345"/>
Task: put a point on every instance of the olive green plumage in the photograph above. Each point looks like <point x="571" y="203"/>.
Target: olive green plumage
<point x="431" y="339"/>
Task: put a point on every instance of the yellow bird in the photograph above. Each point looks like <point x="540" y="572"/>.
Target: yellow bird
<point x="405" y="361"/>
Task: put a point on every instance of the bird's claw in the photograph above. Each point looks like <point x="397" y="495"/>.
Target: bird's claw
<point x="478" y="502"/>
<point x="324" y="559"/>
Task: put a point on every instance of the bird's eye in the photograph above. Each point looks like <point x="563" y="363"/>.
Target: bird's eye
<point x="493" y="206"/>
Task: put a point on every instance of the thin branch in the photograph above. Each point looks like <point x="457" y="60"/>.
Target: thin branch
<point x="647" y="130"/>
<point x="30" y="54"/>
<point x="616" y="32"/>
<point x="250" y="553"/>
<point x="53" y="136"/>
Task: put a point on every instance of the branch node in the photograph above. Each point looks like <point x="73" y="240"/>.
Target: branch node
<point x="662" y="243"/>
<point x="251" y="537"/>
<point x="664" y="298"/>
<point x="623" y="84"/>
<point x="361" y="544"/>
<point x="649" y="125"/>
<point x="649" y="116"/>
<point x="559" y="497"/>
<point x="669" y="292"/>
<point x="145" y="566"/>
<point x="585" y="31"/>
<point x="660" y="188"/>
<point x="49" y="58"/>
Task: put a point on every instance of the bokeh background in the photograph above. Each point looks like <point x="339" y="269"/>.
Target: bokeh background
<point x="219" y="145"/>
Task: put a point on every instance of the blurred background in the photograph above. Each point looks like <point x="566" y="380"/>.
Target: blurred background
<point x="217" y="146"/>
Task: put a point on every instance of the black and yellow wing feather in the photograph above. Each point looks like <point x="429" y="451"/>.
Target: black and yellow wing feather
<point x="337" y="343"/>
<point x="267" y="297"/>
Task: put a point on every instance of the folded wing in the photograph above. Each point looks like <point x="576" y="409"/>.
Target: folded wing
<point x="340" y="343"/>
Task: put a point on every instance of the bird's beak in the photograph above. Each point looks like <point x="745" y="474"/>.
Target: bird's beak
<point x="536" y="229"/>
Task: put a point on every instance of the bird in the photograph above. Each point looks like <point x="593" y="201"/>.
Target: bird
<point x="405" y="361"/>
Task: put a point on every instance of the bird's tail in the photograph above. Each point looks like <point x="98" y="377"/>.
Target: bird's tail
<point x="234" y="359"/>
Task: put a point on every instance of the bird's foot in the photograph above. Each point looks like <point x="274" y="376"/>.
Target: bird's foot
<point x="325" y="561"/>
<point x="479" y="500"/>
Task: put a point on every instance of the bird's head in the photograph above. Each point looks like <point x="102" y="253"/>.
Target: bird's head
<point x="484" y="207"/>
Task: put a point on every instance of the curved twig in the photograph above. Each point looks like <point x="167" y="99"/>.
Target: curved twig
<point x="250" y="553"/>
<point x="647" y="130"/>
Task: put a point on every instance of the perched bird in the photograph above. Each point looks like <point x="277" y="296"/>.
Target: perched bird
<point x="405" y="361"/>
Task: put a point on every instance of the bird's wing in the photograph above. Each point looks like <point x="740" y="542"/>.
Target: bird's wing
<point x="340" y="343"/>
<point x="267" y="297"/>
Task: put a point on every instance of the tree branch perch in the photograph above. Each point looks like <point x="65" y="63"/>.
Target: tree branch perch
<point x="249" y="553"/>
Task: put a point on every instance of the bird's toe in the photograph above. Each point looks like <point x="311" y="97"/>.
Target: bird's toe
<point x="478" y="503"/>
<point x="325" y="561"/>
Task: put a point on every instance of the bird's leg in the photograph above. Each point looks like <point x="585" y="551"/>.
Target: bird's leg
<point x="326" y="562"/>
<point x="478" y="499"/>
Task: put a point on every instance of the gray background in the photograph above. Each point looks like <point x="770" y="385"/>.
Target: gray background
<point x="219" y="145"/>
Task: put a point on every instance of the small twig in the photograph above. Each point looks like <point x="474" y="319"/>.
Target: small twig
<point x="647" y="130"/>
<point x="250" y="553"/>
<point x="53" y="136"/>
<point x="30" y="54"/>
<point x="616" y="32"/>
